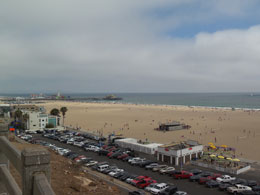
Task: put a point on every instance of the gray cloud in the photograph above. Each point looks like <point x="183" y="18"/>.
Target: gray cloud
<point x="120" y="46"/>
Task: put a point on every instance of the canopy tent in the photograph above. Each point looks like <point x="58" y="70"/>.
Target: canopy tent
<point x="221" y="157"/>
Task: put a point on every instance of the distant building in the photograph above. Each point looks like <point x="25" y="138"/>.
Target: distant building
<point x="28" y="107"/>
<point x="5" y="110"/>
<point x="177" y="154"/>
<point x="38" y="120"/>
<point x="134" y="144"/>
<point x="172" y="126"/>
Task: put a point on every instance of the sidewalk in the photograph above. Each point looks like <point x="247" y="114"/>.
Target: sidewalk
<point x="3" y="190"/>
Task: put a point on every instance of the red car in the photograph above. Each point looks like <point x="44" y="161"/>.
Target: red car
<point x="122" y="156"/>
<point x="204" y="180"/>
<point x="214" y="176"/>
<point x="139" y="178"/>
<point x="182" y="175"/>
<point x="144" y="183"/>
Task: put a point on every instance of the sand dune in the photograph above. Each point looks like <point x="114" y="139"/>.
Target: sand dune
<point x="239" y="129"/>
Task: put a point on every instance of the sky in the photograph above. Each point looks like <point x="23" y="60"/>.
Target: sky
<point x="106" y="46"/>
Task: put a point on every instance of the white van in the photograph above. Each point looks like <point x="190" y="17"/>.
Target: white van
<point x="102" y="167"/>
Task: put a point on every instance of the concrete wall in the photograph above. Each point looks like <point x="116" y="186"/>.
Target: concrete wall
<point x="222" y="169"/>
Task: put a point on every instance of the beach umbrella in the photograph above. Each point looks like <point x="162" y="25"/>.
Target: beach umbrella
<point x="210" y="143"/>
<point x="222" y="157"/>
<point x="236" y="160"/>
<point x="229" y="158"/>
<point x="212" y="155"/>
<point x="224" y="146"/>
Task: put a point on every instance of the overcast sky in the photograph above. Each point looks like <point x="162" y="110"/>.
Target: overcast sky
<point x="129" y="46"/>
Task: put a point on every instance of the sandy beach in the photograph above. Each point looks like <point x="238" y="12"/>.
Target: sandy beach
<point x="239" y="129"/>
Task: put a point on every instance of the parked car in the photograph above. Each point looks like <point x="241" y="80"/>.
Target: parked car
<point x="256" y="188"/>
<point x="180" y="193"/>
<point x="225" y="179"/>
<point x="166" y="170"/>
<point x="204" y="180"/>
<point x="146" y="162"/>
<point x="182" y="174"/>
<point x="169" y="190"/>
<point x="122" y="156"/>
<point x="139" y="178"/>
<point x="144" y="183"/>
<point x="251" y="183"/>
<point x="148" y="188"/>
<point x="224" y="186"/>
<point x="238" y="189"/>
<point x="151" y="166"/>
<point x="195" y="171"/>
<point x="125" y="176"/>
<point x="159" y="188"/>
<point x="112" y="173"/>
<point x="249" y="192"/>
<point x="239" y="181"/>
<point x="139" y="192"/>
<point x="197" y="177"/>
<point x="212" y="184"/>
<point x="158" y="168"/>
<point x="91" y="163"/>
<point x="137" y="162"/>
<point x="130" y="178"/>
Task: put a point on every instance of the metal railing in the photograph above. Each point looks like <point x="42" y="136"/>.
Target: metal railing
<point x="33" y="164"/>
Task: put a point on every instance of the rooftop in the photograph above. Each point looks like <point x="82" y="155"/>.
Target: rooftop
<point x="182" y="145"/>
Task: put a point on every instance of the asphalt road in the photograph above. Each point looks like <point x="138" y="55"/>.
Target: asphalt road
<point x="193" y="188"/>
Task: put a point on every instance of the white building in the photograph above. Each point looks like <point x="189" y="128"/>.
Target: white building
<point x="133" y="144"/>
<point x="38" y="120"/>
<point x="178" y="154"/>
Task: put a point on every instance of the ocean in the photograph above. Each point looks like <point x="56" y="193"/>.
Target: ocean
<point x="226" y="100"/>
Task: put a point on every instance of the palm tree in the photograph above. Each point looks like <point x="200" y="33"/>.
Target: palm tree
<point x="55" y="112"/>
<point x="18" y="114"/>
<point x="63" y="111"/>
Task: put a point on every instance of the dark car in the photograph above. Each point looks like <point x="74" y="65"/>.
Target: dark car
<point x="139" y="192"/>
<point x="248" y="192"/>
<point x="125" y="176"/>
<point x="251" y="183"/>
<point x="169" y="191"/>
<point x="212" y="184"/>
<point x="73" y="156"/>
<point x="127" y="158"/>
<point x="103" y="152"/>
<point x="118" y="175"/>
<point x="122" y="156"/>
<point x="195" y="171"/>
<point x="224" y="186"/>
<point x="197" y="177"/>
<point x="145" y="163"/>
<point x="116" y="154"/>
<point x="256" y="188"/>
<point x="238" y="181"/>
<point x="204" y="180"/>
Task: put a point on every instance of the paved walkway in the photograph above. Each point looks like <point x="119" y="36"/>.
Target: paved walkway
<point x="3" y="190"/>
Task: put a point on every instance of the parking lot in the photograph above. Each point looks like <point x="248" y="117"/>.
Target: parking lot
<point x="183" y="184"/>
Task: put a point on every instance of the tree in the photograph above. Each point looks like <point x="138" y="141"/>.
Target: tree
<point x="55" y="112"/>
<point x="63" y="111"/>
<point x="18" y="114"/>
